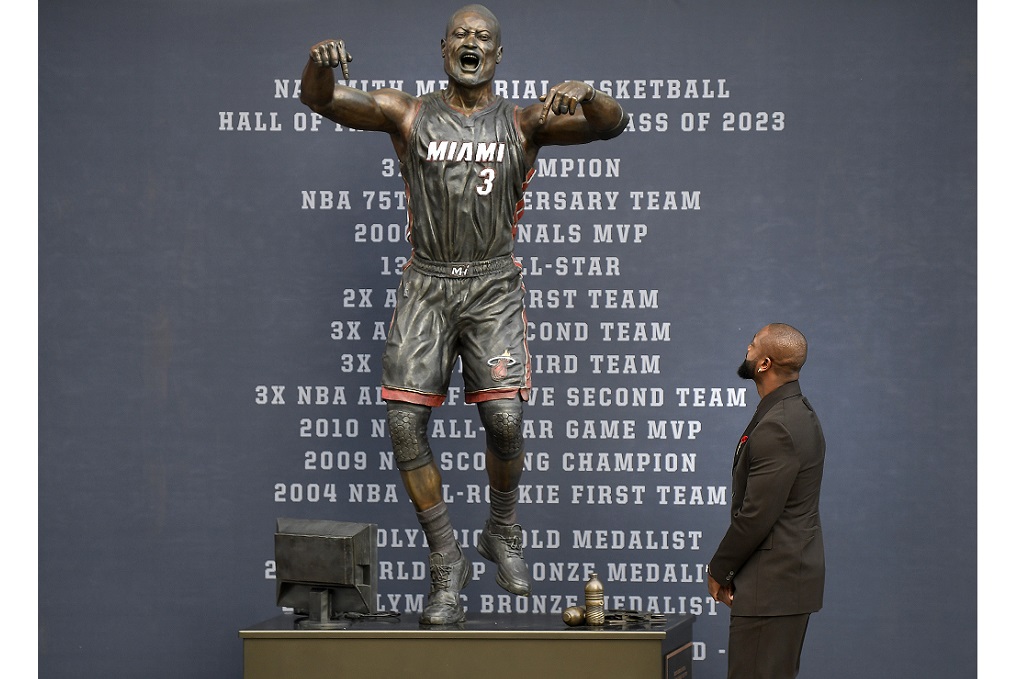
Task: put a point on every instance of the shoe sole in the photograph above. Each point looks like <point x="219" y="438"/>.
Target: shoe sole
<point x="461" y="618"/>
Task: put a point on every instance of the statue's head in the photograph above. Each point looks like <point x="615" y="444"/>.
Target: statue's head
<point x="472" y="46"/>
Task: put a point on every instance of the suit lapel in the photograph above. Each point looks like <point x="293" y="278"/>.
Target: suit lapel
<point x="787" y="390"/>
<point x="740" y="447"/>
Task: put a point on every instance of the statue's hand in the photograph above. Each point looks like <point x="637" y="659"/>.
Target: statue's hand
<point x="564" y="98"/>
<point x="332" y="53"/>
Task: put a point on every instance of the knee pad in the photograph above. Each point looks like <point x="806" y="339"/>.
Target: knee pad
<point x="408" y="433"/>
<point x="502" y="419"/>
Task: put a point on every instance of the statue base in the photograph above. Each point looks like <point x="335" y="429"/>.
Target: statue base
<point x="495" y="646"/>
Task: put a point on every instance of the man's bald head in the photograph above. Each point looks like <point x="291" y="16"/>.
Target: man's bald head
<point x="786" y="345"/>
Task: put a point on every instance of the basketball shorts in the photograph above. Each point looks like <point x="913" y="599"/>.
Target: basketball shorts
<point x="470" y="310"/>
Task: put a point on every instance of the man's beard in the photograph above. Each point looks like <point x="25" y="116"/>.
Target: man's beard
<point x="746" y="370"/>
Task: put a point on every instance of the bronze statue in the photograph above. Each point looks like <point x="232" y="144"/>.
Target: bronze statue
<point x="466" y="156"/>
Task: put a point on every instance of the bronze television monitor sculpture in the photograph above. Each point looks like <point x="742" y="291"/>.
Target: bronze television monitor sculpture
<point x="326" y="569"/>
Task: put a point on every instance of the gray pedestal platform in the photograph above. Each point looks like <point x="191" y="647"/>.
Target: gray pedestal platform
<point x="492" y="646"/>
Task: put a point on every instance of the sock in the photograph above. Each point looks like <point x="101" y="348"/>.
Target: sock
<point x="435" y="521"/>
<point x="503" y="506"/>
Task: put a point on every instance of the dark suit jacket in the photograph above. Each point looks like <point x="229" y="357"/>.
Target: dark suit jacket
<point x="772" y="552"/>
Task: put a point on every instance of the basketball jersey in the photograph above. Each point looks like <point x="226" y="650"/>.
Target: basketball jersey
<point x="465" y="177"/>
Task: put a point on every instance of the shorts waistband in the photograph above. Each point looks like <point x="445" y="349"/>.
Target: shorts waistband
<point x="463" y="269"/>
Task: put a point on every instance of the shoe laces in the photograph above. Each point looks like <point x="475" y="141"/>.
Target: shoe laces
<point x="514" y="544"/>
<point x="441" y="576"/>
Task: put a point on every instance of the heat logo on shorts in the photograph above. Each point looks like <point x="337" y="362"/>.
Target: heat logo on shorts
<point x="499" y="364"/>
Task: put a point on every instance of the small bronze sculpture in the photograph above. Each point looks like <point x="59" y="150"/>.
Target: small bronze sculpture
<point x="466" y="156"/>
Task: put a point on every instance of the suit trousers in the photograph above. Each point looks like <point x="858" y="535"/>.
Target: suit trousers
<point x="766" y="647"/>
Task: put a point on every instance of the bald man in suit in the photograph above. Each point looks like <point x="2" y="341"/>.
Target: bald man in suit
<point x="770" y="565"/>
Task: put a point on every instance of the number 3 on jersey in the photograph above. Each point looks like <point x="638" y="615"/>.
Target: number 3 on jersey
<point x="488" y="176"/>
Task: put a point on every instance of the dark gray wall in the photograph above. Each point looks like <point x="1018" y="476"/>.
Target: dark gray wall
<point x="182" y="271"/>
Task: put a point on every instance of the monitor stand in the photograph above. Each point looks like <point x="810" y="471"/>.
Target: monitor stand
<point x="320" y="612"/>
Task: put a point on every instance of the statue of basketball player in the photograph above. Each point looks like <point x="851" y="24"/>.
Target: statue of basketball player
<point x="466" y="156"/>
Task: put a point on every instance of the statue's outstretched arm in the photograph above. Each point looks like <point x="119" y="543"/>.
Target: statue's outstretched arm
<point x="573" y="112"/>
<point x="381" y="110"/>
